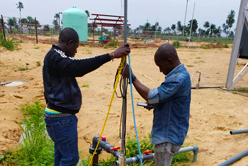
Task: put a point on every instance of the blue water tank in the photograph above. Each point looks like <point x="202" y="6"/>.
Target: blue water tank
<point x="78" y="20"/>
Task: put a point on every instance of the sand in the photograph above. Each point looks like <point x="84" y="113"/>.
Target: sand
<point x="214" y="112"/>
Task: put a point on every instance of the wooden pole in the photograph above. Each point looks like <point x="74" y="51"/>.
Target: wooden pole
<point x="3" y="28"/>
<point x="36" y="31"/>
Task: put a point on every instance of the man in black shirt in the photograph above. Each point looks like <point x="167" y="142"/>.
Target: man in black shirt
<point x="63" y="95"/>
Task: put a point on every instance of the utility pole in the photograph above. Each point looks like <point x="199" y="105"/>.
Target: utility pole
<point x="191" y="25"/>
<point x="185" y="17"/>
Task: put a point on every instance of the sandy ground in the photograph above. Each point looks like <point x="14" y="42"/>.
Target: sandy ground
<point x="214" y="111"/>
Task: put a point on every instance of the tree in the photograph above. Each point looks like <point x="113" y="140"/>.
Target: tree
<point x="20" y="7"/>
<point x="12" y="22"/>
<point x="173" y="27"/>
<point x="225" y="28"/>
<point x="147" y="26"/>
<point x="201" y="32"/>
<point x="179" y="26"/>
<point x="56" y="25"/>
<point x="212" y="28"/>
<point x="206" y="25"/>
<point x="167" y="29"/>
<point x="88" y="13"/>
<point x="230" y="20"/>
<point x="194" y="25"/>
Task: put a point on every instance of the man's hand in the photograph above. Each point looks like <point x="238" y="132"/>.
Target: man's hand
<point x="125" y="71"/>
<point x="123" y="50"/>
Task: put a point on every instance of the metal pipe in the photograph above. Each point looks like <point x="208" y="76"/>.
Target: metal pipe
<point x="185" y="17"/>
<point x="122" y="157"/>
<point x="239" y="131"/>
<point x="202" y="87"/>
<point x="236" y="43"/>
<point x="235" y="158"/>
<point x="150" y="156"/>
<point x="36" y="35"/>
<point x="191" y="25"/>
<point x="104" y="145"/>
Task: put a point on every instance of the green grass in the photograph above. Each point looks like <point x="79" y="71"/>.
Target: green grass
<point x="9" y="44"/>
<point x="176" y="44"/>
<point x="132" y="150"/>
<point x="36" y="147"/>
<point x="22" y="68"/>
<point x="85" y="85"/>
<point x="38" y="63"/>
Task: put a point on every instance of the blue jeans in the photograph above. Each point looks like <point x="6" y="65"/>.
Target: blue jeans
<point x="63" y="132"/>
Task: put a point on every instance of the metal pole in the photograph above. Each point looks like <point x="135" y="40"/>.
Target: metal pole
<point x="233" y="159"/>
<point x="3" y="29"/>
<point x="36" y="30"/>
<point x="191" y="25"/>
<point x="185" y="16"/>
<point x="122" y="158"/>
<point x="236" y="43"/>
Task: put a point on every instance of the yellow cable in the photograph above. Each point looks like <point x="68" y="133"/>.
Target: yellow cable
<point x="121" y="66"/>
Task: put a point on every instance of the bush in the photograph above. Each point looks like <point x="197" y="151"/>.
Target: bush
<point x="113" y="43"/>
<point x="176" y="44"/>
<point x="8" y="44"/>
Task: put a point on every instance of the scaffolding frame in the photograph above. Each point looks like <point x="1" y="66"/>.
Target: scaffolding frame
<point x="242" y="20"/>
<point x="105" y="20"/>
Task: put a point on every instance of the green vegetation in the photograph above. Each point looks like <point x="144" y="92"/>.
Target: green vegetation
<point x="38" y="63"/>
<point x="9" y="44"/>
<point x="87" y="51"/>
<point x="85" y="85"/>
<point x="22" y="68"/>
<point x="132" y="150"/>
<point x="36" y="148"/>
<point x="113" y="43"/>
<point x="176" y="44"/>
<point x="36" y="47"/>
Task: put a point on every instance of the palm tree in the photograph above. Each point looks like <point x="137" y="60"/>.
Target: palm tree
<point x="173" y="27"/>
<point x="20" y="7"/>
<point x="230" y="20"/>
<point x="88" y="13"/>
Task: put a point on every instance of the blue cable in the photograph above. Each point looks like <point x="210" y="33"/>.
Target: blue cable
<point x="130" y="79"/>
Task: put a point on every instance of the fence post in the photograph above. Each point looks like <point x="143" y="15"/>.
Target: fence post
<point x="3" y="28"/>
<point x="36" y="30"/>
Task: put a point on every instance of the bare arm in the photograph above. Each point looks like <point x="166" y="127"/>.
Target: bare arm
<point x="141" y="88"/>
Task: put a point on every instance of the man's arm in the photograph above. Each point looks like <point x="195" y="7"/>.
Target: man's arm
<point x="141" y="89"/>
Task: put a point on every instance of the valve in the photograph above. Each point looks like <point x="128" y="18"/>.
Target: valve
<point x="147" y="152"/>
<point x="115" y="148"/>
<point x="103" y="137"/>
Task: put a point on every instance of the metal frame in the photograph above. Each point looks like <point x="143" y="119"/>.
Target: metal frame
<point x="242" y="19"/>
<point x="105" y="20"/>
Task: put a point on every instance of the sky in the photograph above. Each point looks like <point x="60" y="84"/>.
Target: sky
<point x="166" y="12"/>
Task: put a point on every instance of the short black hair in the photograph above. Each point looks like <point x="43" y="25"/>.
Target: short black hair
<point x="68" y="34"/>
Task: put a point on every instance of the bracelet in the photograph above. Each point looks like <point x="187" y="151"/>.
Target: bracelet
<point x="113" y="56"/>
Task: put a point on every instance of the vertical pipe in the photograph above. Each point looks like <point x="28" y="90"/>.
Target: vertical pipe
<point x="191" y="25"/>
<point x="185" y="17"/>
<point x="236" y="43"/>
<point x="3" y="28"/>
<point x="36" y="35"/>
<point x="93" y="32"/>
<point x="122" y="158"/>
